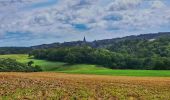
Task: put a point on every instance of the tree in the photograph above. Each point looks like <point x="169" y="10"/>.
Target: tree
<point x="30" y="63"/>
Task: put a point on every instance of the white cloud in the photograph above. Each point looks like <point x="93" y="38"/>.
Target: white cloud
<point x="123" y="5"/>
<point x="58" y="19"/>
<point x="157" y="4"/>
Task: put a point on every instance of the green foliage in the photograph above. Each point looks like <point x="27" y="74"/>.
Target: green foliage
<point x="74" y="55"/>
<point x="10" y="65"/>
<point x="138" y="53"/>
<point x="133" y="52"/>
<point x="44" y="64"/>
<point x="126" y="54"/>
<point x="51" y="66"/>
<point x="145" y="54"/>
<point x="30" y="63"/>
<point x="14" y="50"/>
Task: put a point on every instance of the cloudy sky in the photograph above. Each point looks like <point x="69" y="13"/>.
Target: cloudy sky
<point x="32" y="22"/>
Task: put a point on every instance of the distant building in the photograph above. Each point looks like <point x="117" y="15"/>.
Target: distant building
<point x="84" y="40"/>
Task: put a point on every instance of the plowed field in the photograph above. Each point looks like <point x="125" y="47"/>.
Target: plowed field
<point x="58" y="86"/>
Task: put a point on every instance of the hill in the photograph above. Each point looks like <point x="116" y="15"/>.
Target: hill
<point x="103" y="43"/>
<point x="95" y="44"/>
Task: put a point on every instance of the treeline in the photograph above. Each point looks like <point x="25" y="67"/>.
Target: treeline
<point x="11" y="65"/>
<point x="14" y="50"/>
<point x="104" y="57"/>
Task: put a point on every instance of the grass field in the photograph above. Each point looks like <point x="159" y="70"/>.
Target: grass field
<point x="59" y="86"/>
<point x="86" y="69"/>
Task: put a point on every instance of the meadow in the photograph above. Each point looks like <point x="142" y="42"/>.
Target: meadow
<point x="61" y="67"/>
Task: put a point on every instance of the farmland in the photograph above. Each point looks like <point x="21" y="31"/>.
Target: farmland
<point x="59" y="86"/>
<point x="48" y="66"/>
<point x="62" y="81"/>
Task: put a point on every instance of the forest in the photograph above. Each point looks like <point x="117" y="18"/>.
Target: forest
<point x="128" y="54"/>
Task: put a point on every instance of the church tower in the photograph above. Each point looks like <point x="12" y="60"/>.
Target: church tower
<point x="84" y="40"/>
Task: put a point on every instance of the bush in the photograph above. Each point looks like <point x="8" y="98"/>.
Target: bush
<point x="10" y="65"/>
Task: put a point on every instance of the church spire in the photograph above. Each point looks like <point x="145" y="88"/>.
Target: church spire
<point x="84" y="40"/>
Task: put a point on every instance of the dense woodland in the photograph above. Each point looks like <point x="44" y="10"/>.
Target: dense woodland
<point x="10" y="65"/>
<point x="154" y="53"/>
<point x="127" y="54"/>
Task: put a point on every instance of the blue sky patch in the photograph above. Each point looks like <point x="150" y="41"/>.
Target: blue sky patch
<point x="81" y="27"/>
<point x="43" y="4"/>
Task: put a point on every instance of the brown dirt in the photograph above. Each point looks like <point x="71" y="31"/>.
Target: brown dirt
<point x="59" y="86"/>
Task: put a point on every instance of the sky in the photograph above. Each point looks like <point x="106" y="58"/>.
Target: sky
<point x="34" y="22"/>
